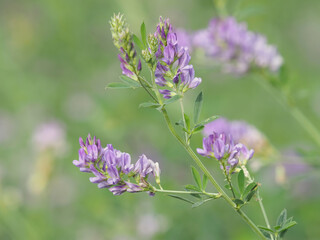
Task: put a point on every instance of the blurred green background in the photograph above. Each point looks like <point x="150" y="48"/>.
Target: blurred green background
<point x="56" y="59"/>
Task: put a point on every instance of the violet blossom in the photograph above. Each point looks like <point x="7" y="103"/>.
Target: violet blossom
<point x="242" y="132"/>
<point x="122" y="39"/>
<point x="113" y="169"/>
<point x="221" y="147"/>
<point x="236" y="48"/>
<point x="173" y="70"/>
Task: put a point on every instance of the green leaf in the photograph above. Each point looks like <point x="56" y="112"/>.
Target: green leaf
<point x="197" y="129"/>
<point x="239" y="202"/>
<point x="204" y="122"/>
<point x="187" y="121"/>
<point x="204" y="181"/>
<point x="251" y="193"/>
<point x="190" y="187"/>
<point x="185" y="130"/>
<point x="117" y="85"/>
<point x="285" y="228"/>
<point x="241" y="181"/>
<point x="282" y="218"/>
<point x="196" y="176"/>
<point x="137" y="42"/>
<point x="130" y="81"/>
<point x="278" y="227"/>
<point x="288" y="225"/>
<point x="196" y="195"/>
<point x="144" y="34"/>
<point x="173" y="99"/>
<point x="197" y="204"/>
<point x="266" y="234"/>
<point x="149" y="105"/>
<point x="181" y="198"/>
<point x="197" y="107"/>
<point x="227" y="186"/>
<point x="266" y="229"/>
<point x="248" y="188"/>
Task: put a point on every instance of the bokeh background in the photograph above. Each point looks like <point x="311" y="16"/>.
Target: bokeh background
<point x="56" y="59"/>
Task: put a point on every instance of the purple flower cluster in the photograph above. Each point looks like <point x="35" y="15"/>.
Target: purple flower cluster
<point x="113" y="169"/>
<point x="222" y="147"/>
<point x="173" y="70"/>
<point x="122" y="39"/>
<point x="241" y="132"/>
<point x="237" y="48"/>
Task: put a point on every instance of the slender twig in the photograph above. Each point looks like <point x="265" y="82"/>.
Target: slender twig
<point x="210" y="177"/>
<point x="183" y="119"/>
<point x="201" y="165"/>
<point x="147" y="90"/>
<point x="228" y="179"/>
<point x="265" y="216"/>
<point x="293" y="110"/>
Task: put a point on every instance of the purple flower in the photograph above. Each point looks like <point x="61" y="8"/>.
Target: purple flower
<point x="235" y="47"/>
<point x="173" y="63"/>
<point x="88" y="153"/>
<point x="113" y="169"/>
<point x="241" y="132"/>
<point x="221" y="147"/>
<point x="122" y="39"/>
<point x="143" y="166"/>
<point x="166" y="93"/>
<point x="118" y="190"/>
<point x="133" y="188"/>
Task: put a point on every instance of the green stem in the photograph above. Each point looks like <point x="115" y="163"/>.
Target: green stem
<point x="210" y="177"/>
<point x="201" y="165"/>
<point x="265" y="216"/>
<point x="305" y="122"/>
<point x="184" y="120"/>
<point x="220" y="5"/>
<point x="229" y="182"/>
<point x="263" y="209"/>
<point x="294" y="111"/>
<point x="147" y="90"/>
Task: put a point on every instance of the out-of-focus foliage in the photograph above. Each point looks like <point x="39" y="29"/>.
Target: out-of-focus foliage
<point x="57" y="57"/>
